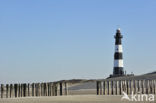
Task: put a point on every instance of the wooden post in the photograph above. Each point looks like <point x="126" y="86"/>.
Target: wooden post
<point x="11" y="90"/>
<point x="32" y="86"/>
<point x="139" y="86"/>
<point x="60" y="88"/>
<point x="24" y="89"/>
<point x="2" y="90"/>
<point x="45" y="89"/>
<point x="28" y="90"/>
<point x="7" y="90"/>
<point x="100" y="87"/>
<point x="39" y="89"/>
<point x="151" y="86"/>
<point x="42" y="89"/>
<point x="97" y="88"/>
<point x="142" y="87"/>
<point x="104" y="88"/>
<point x="49" y="89"/>
<point x="117" y="88"/>
<point x="36" y="89"/>
<point x="154" y="86"/>
<point x="124" y="86"/>
<point x="111" y="87"/>
<point x="134" y="87"/>
<point x="127" y="86"/>
<point x="66" y="88"/>
<point x="108" y="82"/>
<point x="15" y="90"/>
<point x="19" y="90"/>
<point x="120" y="87"/>
<point x="56" y="89"/>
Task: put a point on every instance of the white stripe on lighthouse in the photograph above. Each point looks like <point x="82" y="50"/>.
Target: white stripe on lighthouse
<point x="118" y="63"/>
<point x="118" y="48"/>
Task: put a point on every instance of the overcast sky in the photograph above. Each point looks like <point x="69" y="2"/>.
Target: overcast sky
<point x="49" y="40"/>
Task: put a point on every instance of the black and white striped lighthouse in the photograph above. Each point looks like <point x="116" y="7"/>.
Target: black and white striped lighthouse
<point x="118" y="57"/>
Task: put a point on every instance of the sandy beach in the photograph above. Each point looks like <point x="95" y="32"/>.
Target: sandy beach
<point x="70" y="99"/>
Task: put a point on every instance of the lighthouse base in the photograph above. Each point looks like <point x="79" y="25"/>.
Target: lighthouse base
<point x="117" y="75"/>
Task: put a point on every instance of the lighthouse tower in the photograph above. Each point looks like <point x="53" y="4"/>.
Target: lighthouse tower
<point x="118" y="57"/>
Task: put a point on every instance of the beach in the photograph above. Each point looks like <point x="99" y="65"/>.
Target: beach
<point x="71" y="99"/>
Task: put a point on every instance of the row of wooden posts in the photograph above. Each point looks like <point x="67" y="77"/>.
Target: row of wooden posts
<point x="34" y="89"/>
<point x="128" y="86"/>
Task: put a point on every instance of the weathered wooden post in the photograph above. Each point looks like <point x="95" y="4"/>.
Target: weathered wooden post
<point x="127" y="86"/>
<point x="42" y="89"/>
<point x="39" y="89"/>
<point x="60" y="88"/>
<point x="52" y="89"/>
<point x="134" y="87"/>
<point x="56" y="89"/>
<point x="147" y="86"/>
<point x="124" y="86"/>
<point x="66" y="88"/>
<point x="15" y="90"/>
<point x="49" y="88"/>
<point x="120" y="87"/>
<point x="151" y="87"/>
<point x="154" y="86"/>
<point x="104" y="88"/>
<point x="117" y="88"/>
<point x="131" y="86"/>
<point x="36" y="89"/>
<point x="2" y="90"/>
<point x="7" y="90"/>
<point x="19" y="90"/>
<point x="11" y="90"/>
<point x="24" y="89"/>
<point x="32" y="86"/>
<point x="111" y="88"/>
<point x="100" y="86"/>
<point x="141" y="87"/>
<point x="136" y="84"/>
<point x="45" y="89"/>
<point x="28" y="89"/>
<point x="97" y="86"/>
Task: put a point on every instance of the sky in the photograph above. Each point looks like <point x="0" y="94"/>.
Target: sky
<point x="50" y="40"/>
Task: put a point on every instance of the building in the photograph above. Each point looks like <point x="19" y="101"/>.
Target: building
<point x="118" y="69"/>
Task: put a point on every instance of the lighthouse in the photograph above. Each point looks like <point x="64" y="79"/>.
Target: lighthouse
<point x="118" y="57"/>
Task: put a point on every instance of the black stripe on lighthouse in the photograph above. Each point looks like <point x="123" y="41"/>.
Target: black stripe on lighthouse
<point x="117" y="56"/>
